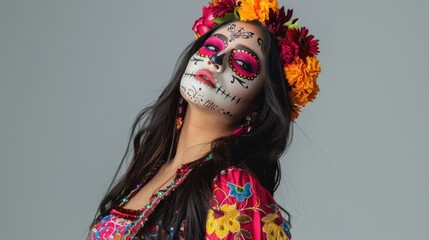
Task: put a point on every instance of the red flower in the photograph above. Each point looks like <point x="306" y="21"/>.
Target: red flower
<point x="288" y="50"/>
<point x="222" y="7"/>
<point x="275" y="21"/>
<point x="204" y="23"/>
<point x="308" y="46"/>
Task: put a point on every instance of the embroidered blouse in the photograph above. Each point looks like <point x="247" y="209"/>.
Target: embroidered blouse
<point x="241" y="208"/>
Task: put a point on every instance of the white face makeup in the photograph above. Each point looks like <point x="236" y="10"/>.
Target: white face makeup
<point x="227" y="72"/>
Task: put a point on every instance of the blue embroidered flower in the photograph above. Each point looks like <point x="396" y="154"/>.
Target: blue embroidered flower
<point x="286" y="227"/>
<point x="239" y="192"/>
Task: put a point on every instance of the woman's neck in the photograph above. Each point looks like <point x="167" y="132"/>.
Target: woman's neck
<point x="200" y="128"/>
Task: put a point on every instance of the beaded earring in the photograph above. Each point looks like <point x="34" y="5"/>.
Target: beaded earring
<point x="247" y="126"/>
<point x="180" y="114"/>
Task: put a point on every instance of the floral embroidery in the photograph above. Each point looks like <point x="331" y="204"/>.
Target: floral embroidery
<point x="224" y="224"/>
<point x="239" y="192"/>
<point x="124" y="223"/>
<point x="243" y="209"/>
<point x="286" y="227"/>
<point x="271" y="228"/>
<point x="109" y="228"/>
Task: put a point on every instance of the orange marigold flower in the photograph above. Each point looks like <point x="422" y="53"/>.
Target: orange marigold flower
<point x="257" y="9"/>
<point x="313" y="94"/>
<point x="295" y="112"/>
<point x="302" y="79"/>
<point x="313" y="66"/>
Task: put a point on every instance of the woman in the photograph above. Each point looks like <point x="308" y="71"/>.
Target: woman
<point x="206" y="154"/>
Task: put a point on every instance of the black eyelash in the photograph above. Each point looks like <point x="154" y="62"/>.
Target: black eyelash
<point x="246" y="66"/>
<point x="206" y="45"/>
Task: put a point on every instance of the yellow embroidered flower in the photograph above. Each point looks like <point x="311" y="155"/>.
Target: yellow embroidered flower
<point x="223" y="225"/>
<point x="257" y="9"/>
<point x="211" y="223"/>
<point x="302" y="78"/>
<point x="273" y="231"/>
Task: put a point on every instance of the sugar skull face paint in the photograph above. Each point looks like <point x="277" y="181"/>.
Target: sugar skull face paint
<point x="227" y="72"/>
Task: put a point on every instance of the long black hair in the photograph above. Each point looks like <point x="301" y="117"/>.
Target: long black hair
<point x="154" y="139"/>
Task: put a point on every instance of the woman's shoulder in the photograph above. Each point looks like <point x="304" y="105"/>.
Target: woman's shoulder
<point x="241" y="206"/>
<point x="239" y="185"/>
<point x="234" y="170"/>
<point x="236" y="175"/>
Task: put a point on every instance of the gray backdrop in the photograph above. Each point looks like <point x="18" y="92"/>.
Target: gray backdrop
<point x="74" y="74"/>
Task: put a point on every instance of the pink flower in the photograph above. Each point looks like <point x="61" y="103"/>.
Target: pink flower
<point x="288" y="50"/>
<point x="204" y="23"/>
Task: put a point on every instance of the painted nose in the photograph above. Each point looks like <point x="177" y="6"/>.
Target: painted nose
<point x="217" y="59"/>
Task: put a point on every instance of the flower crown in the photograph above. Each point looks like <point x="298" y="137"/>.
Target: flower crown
<point x="298" y="49"/>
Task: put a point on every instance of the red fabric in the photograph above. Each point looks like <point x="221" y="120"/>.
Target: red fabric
<point x="243" y="209"/>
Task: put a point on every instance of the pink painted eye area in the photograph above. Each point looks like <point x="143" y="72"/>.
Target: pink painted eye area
<point x="211" y="46"/>
<point x="245" y="64"/>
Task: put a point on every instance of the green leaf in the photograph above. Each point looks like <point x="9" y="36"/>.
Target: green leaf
<point x="244" y="218"/>
<point x="246" y="233"/>
<point x="237" y="236"/>
<point x="226" y="17"/>
<point x="236" y="13"/>
<point x="292" y="24"/>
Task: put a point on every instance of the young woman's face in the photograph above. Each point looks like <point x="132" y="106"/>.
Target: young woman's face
<point x="227" y="72"/>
